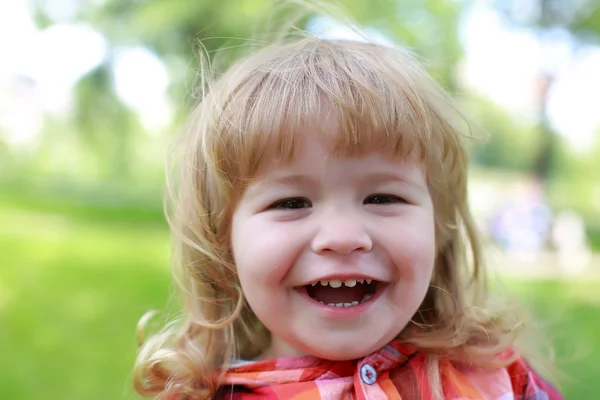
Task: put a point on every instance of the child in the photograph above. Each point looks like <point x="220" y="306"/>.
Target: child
<point x="325" y="247"/>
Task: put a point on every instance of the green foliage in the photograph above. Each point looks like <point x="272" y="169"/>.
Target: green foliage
<point x="103" y="139"/>
<point x="593" y="232"/>
<point x="105" y="125"/>
<point x="6" y="158"/>
<point x="573" y="176"/>
<point x="576" y="185"/>
<point x="582" y="18"/>
<point x="173" y="29"/>
<point x="510" y="143"/>
<point x="549" y="18"/>
<point x="587" y="25"/>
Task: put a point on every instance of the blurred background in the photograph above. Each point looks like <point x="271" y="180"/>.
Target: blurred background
<point x="92" y="91"/>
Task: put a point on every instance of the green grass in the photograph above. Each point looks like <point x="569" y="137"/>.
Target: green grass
<point x="569" y="314"/>
<point x="71" y="292"/>
<point x="74" y="284"/>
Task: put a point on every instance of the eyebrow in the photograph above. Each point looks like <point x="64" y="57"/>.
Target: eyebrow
<point x="280" y="179"/>
<point x="260" y="183"/>
<point x="385" y="177"/>
<point x="295" y="179"/>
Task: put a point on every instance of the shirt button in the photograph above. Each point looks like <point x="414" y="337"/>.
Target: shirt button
<point x="368" y="374"/>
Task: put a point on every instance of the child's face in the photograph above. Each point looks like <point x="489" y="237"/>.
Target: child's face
<point x="342" y="220"/>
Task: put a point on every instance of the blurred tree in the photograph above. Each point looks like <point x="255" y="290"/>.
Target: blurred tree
<point x="572" y="178"/>
<point x="510" y="145"/>
<point x="104" y="124"/>
<point x="6" y="159"/>
<point x="581" y="20"/>
<point x="174" y="29"/>
<point x="576" y="186"/>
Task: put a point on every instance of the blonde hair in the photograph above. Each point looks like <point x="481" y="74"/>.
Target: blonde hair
<point x="380" y="96"/>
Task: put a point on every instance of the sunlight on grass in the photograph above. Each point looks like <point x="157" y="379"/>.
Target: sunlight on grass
<point x="77" y="290"/>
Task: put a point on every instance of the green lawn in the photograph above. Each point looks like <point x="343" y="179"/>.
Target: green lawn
<point x="71" y="292"/>
<point x="569" y="311"/>
<point x="73" y="285"/>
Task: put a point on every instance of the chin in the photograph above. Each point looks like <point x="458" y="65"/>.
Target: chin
<point x="342" y="353"/>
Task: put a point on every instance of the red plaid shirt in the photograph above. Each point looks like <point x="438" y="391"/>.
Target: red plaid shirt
<point x="395" y="372"/>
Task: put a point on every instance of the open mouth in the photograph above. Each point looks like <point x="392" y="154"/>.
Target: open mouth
<point x="346" y="293"/>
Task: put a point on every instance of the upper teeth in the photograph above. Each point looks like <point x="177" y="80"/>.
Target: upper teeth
<point x="336" y="283"/>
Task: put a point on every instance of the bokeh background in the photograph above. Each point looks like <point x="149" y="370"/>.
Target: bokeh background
<point x="92" y="91"/>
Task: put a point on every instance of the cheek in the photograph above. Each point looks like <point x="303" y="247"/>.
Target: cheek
<point x="414" y="261"/>
<point x="264" y="251"/>
<point x="414" y="251"/>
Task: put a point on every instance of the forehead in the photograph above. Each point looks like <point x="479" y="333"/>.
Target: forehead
<point x="330" y="136"/>
<point x="317" y="150"/>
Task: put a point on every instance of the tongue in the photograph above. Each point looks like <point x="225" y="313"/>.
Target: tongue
<point x="343" y="294"/>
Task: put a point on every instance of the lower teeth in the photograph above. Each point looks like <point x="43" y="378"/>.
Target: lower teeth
<point x="354" y="303"/>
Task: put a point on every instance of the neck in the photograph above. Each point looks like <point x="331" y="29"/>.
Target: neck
<point x="278" y="349"/>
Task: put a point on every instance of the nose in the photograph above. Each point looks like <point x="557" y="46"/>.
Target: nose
<point x="341" y="234"/>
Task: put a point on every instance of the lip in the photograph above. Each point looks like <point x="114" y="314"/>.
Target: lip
<point x="343" y="311"/>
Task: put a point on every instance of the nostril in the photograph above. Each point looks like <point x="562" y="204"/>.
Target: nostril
<point x="342" y="234"/>
<point x="342" y="246"/>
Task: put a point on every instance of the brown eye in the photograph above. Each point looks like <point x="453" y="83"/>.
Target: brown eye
<point x="291" y="203"/>
<point x="383" y="199"/>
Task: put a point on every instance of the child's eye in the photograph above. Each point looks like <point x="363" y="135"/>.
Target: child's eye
<point x="383" y="199"/>
<point x="291" y="203"/>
